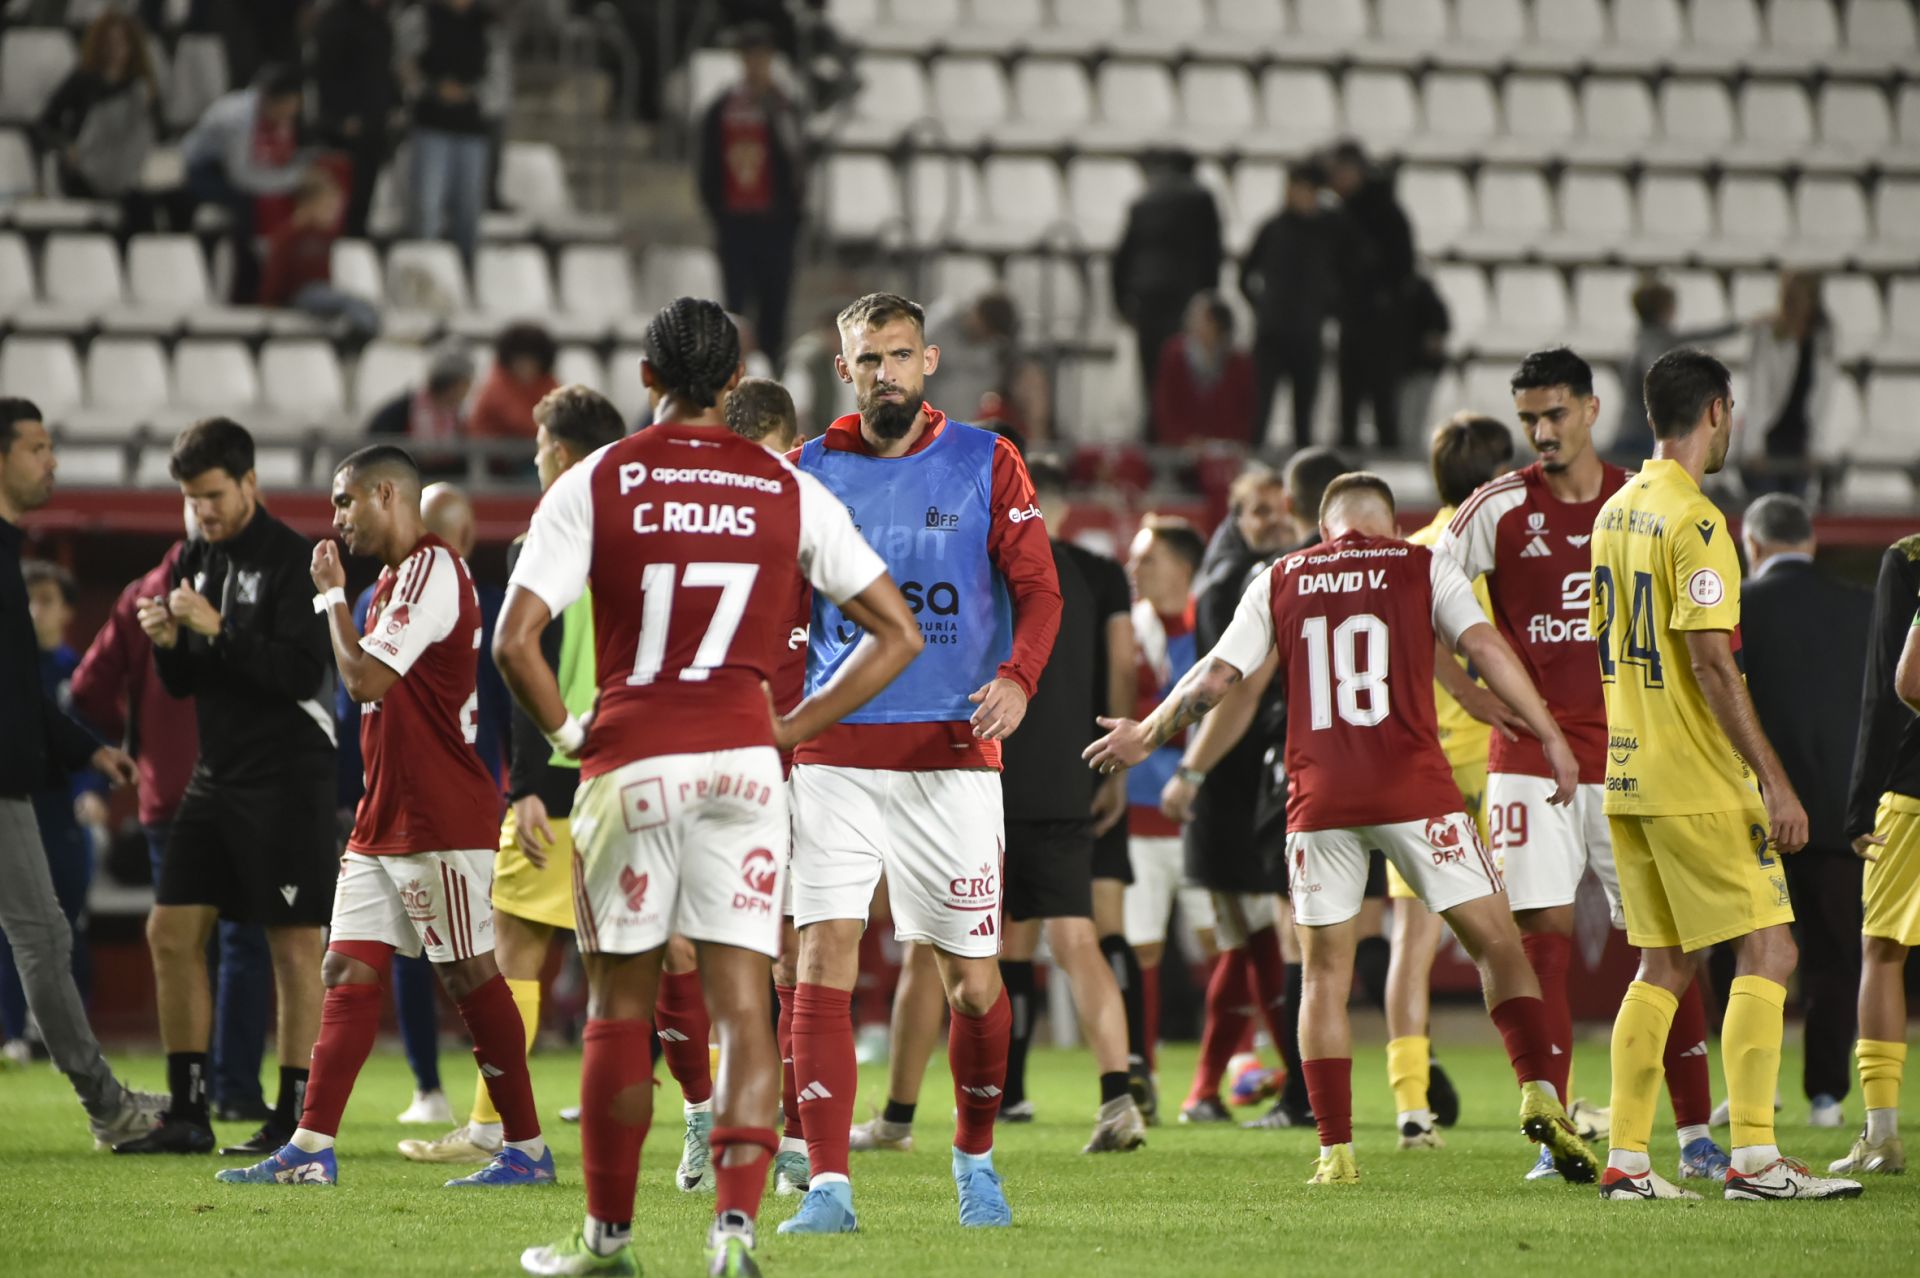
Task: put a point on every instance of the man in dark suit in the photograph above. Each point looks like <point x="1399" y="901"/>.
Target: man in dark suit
<point x="1804" y="637"/>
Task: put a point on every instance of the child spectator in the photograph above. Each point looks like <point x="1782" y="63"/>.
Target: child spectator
<point x="299" y="266"/>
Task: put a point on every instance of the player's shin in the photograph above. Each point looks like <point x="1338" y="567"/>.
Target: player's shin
<point x="1750" y="1051"/>
<point x="685" y="1028"/>
<point x="1409" y="1070"/>
<point x="740" y="1156"/>
<point x="1330" y="1091"/>
<point x="526" y="997"/>
<point x="500" y="1048"/>
<point x="977" y="1055"/>
<point x="794" y="1129"/>
<point x="616" y="1108"/>
<point x="1229" y="993"/>
<point x="827" y="1074"/>
<point x="1018" y="977"/>
<point x="1549" y="954"/>
<point x="1639" y="1039"/>
<point x="349" y="1022"/>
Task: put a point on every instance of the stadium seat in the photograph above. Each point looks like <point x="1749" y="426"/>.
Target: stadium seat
<point x="579" y="366"/>
<point x="624" y="388"/>
<point x="1330" y="24"/>
<point x="80" y="280"/>
<point x="1731" y="28"/>
<point x="1218" y="104"/>
<point x="1459" y="113"/>
<point x="513" y="280"/>
<point x="1258" y="19"/>
<point x="197" y="77"/>
<point x="1257" y="190"/>
<point x="893" y="94"/>
<point x="969" y="97"/>
<point x="1832" y="216"/>
<point x="596" y="282"/>
<point x="1807" y="28"/>
<point x="1438" y="203"/>
<point x="1617" y="118"/>
<point x="1020" y="198"/>
<point x="386" y="369"/>
<point x="1893" y="405"/>
<point x="1529" y="310"/>
<point x="1499" y="26"/>
<point x="1675" y="217"/>
<point x="942" y="198"/>
<point x="1052" y="98"/>
<point x="300" y="379"/>
<point x="127" y="376"/>
<point x="1700" y="300"/>
<point x="863" y="199"/>
<point x="1907" y="116"/>
<point x="1012" y="17"/>
<point x="1652" y="30"/>
<point x="1566" y="34"/>
<point x="1696" y="118"/>
<point x="1378" y="107"/>
<point x="16" y="273"/>
<point x="167" y="274"/>
<point x="1135" y="100"/>
<point x="667" y="272"/>
<point x="1776" y="122"/>
<point x="1902" y="334"/>
<point x="1540" y="116"/>
<point x="1411" y="32"/>
<point x="1464" y="290"/>
<point x="1896" y="221"/>
<point x="33" y="62"/>
<point x="1856" y="123"/>
<point x="1859" y="318"/>
<point x="44" y="370"/>
<point x="1754" y="219"/>
<point x="1881" y="31"/>
<point x="17" y="176"/>
<point x="214" y="375"/>
<point x="1099" y="193"/>
<point x="1302" y="108"/>
<point x="1516" y="212"/>
<point x="1051" y="293"/>
<point x="434" y="264"/>
<point x="1596" y="216"/>
<point x="1603" y="319"/>
<point x="956" y="277"/>
<point x="533" y="179"/>
<point x="356" y="269"/>
<point x="1486" y="387"/>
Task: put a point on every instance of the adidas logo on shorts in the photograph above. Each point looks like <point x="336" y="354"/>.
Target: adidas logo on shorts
<point x="984" y="927"/>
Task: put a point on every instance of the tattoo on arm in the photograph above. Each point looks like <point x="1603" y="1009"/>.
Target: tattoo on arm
<point x="1197" y="693"/>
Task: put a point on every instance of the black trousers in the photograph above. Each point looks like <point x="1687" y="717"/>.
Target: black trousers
<point x="1825" y="887"/>
<point x="756" y="268"/>
<point x="366" y="152"/>
<point x="1370" y="360"/>
<point x="1293" y="358"/>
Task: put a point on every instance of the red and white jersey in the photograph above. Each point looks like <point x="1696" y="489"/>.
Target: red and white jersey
<point x="699" y="545"/>
<point x="426" y="790"/>
<point x="1354" y="622"/>
<point x="1532" y="549"/>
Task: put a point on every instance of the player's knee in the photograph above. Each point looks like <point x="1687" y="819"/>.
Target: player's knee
<point x="974" y="992"/>
<point x="1880" y="951"/>
<point x="169" y="941"/>
<point x="343" y="969"/>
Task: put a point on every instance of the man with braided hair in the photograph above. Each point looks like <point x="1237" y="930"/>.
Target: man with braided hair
<point x="700" y="545"/>
<point x="907" y="785"/>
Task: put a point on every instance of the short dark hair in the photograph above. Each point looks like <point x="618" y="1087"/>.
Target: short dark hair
<point x="693" y="349"/>
<point x="1309" y="471"/>
<point x="40" y="571"/>
<point x="1554" y="366"/>
<point x="1179" y="536"/>
<point x="1049" y="475"/>
<point x="212" y="443"/>
<point x="584" y="420"/>
<point x="759" y="407"/>
<point x="1355" y="481"/>
<point x="1467" y="450"/>
<point x="526" y="341"/>
<point x="876" y="309"/>
<point x="13" y="411"/>
<point x="1216" y="309"/>
<point x="1652" y="300"/>
<point x="997" y="311"/>
<point x="1253" y="476"/>
<point x="380" y="461"/>
<point x="1348" y="151"/>
<point x="1778" y="519"/>
<point x="279" y="80"/>
<point x="1680" y="386"/>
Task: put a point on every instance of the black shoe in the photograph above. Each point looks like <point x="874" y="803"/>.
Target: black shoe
<point x="172" y="1136"/>
<point x="1441" y="1098"/>
<point x="269" y="1138"/>
<point x="245" y="1111"/>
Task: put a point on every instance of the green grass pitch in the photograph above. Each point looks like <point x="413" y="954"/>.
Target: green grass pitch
<point x="1194" y="1201"/>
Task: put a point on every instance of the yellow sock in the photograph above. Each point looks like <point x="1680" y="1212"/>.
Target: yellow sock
<point x="1639" y="1041"/>
<point x="526" y="997"/>
<point x="1881" y="1065"/>
<point x="1409" y="1063"/>
<point x="1750" y="1054"/>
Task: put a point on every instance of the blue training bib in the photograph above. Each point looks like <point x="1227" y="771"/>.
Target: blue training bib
<point x="927" y="515"/>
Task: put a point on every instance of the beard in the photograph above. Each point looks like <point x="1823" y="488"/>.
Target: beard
<point x="889" y="420"/>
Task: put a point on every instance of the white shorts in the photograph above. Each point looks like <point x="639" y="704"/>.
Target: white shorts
<point x="937" y="836"/>
<point x="1159" y="873"/>
<point x="1543" y="850"/>
<point x="1442" y="859"/>
<point x="441" y="902"/>
<point x="685" y="844"/>
<point x="1230" y="908"/>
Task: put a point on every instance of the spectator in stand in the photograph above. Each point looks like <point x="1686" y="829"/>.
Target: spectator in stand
<point x="1204" y="386"/>
<point x="1376" y="267"/>
<point x="432" y="417"/>
<point x="1288" y="278"/>
<point x="58" y="808"/>
<point x="1427" y="325"/>
<point x="244" y="156"/>
<point x="752" y="181"/>
<point x="1654" y="307"/>
<point x="1170" y="251"/>
<point x="359" y="94"/>
<point x="100" y="124"/>
<point x="299" y="266"/>
<point x="446" y="46"/>
<point x="976" y="338"/>
<point x="807" y="371"/>
<point x="1790" y="376"/>
<point x="522" y="375"/>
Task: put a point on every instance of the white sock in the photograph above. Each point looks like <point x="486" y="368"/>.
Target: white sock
<point x="1692" y="1132"/>
<point x="485" y="1133"/>
<point x="1748" y="1159"/>
<point x="1882" y="1124"/>
<point x="792" y="1145"/>
<point x="827" y="1178"/>
<point x="1632" y="1162"/>
<point x="1325" y="1150"/>
<point x="533" y="1149"/>
<point x="1547" y="1087"/>
<point x="1418" y="1117"/>
<point x="703" y="1107"/>
<point x="603" y="1239"/>
<point x="310" y="1142"/>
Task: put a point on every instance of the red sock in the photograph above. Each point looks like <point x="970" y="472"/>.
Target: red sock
<point x="1330" y="1092"/>
<point x="1550" y="954"/>
<point x="1686" y="1061"/>
<point x="1268" y="970"/>
<point x="1523" y="1028"/>
<point x="789" y="1089"/>
<point x="349" y="1021"/>
<point x="977" y="1055"/>
<point x="823" y="1065"/>
<point x="500" y="1046"/>
<point x="680" y="1018"/>
<point x="740" y="1186"/>
<point x="1228" y="1020"/>
<point x="616" y="1108"/>
<point x="1150" y="1008"/>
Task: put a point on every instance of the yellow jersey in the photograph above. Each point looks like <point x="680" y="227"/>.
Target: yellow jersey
<point x="1664" y="564"/>
<point x="1463" y="738"/>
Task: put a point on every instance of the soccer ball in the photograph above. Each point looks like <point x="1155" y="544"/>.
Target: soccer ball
<point x="1249" y="1082"/>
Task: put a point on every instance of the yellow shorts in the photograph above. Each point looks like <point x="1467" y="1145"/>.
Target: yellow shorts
<point x="539" y="896"/>
<point x="1692" y="881"/>
<point x="1471" y="777"/>
<point x="1891" y="888"/>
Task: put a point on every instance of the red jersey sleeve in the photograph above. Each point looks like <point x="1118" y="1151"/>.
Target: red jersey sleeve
<point x="1017" y="544"/>
<point x="102" y="686"/>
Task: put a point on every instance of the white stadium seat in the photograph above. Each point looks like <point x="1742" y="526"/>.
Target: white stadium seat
<point x="1515" y="208"/>
<point x="1726" y="26"/>
<point x="960" y="276"/>
<point x="1617" y="109"/>
<point x="435" y="261"/>
<point x="667" y="272"/>
<point x="1807" y="27"/>
<point x="80" y="277"/>
<point x="1675" y="215"/>
<point x="198" y="76"/>
<point x="1458" y="109"/>
<point x="1893" y="405"/>
<point x="624" y="388"/>
<point x="533" y="179"/>
<point x="942" y="197"/>
<point x="1882" y="28"/>
<point x="128" y="374"/>
<point x="44" y="370"/>
<point x="579" y="366"/>
<point x="1696" y="114"/>
<point x="1571" y="24"/>
<point x="1596" y="213"/>
<point x="17" y="176"/>
<point x="214" y="375"/>
<point x="1530" y="305"/>
<point x="1415" y="22"/>
<point x="1775" y="117"/>
<point x="1700" y="300"/>
<point x="1603" y="318"/>
<point x="300" y="377"/>
<point x="512" y="279"/>
<point x="1099" y="192"/>
<point x="1171" y="19"/>
<point x="1832" y="216"/>
<point x="893" y="90"/>
<point x="596" y="282"/>
<point x="1136" y="98"/>
<point x="386" y="369"/>
<point x="1379" y="107"/>
<point x="969" y="96"/>
<point x="1651" y="24"/>
<point x="1498" y="25"/>
<point x="356" y="269"/>
<point x="1439" y="204"/>
<point x="1257" y="18"/>
<point x="33" y="62"/>
<point x="1855" y="118"/>
<point x="1331" y="19"/>
<point x="1008" y="15"/>
<point x="1052" y="93"/>
<point x="1256" y="194"/>
<point x="1859" y="316"/>
<point x="1896" y="217"/>
<point x="1023" y="196"/>
<point x="863" y="199"/>
<point x="1753" y="213"/>
<point x="1539" y="108"/>
<point x="1218" y="101"/>
<point x="1300" y="103"/>
<point x="1464" y="290"/>
<point x="167" y="273"/>
<point x="16" y="273"/>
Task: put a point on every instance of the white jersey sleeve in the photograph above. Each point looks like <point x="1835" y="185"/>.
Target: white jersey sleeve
<point x="558" y="552"/>
<point x="1455" y="610"/>
<point x="1469" y="537"/>
<point x="422" y="610"/>
<point x="833" y="554"/>
<point x="1249" y="636"/>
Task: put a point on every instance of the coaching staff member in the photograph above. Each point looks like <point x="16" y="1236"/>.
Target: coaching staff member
<point x="253" y="838"/>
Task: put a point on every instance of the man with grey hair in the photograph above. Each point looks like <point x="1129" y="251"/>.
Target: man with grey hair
<point x="1805" y="677"/>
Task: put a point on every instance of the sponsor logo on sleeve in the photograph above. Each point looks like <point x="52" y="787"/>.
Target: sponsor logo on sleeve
<point x="1021" y="516"/>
